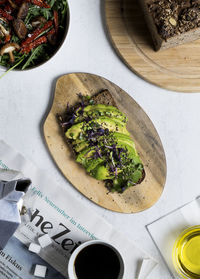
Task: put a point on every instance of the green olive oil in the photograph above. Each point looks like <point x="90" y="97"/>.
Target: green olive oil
<point x="186" y="253"/>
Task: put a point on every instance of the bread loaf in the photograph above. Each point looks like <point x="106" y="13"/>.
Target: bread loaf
<point x="172" y="22"/>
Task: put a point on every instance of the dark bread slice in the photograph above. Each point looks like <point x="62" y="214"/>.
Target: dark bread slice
<point x="104" y="98"/>
<point x="173" y="25"/>
<point x="157" y="40"/>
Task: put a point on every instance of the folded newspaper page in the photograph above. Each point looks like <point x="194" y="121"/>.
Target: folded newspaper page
<point x="49" y="209"/>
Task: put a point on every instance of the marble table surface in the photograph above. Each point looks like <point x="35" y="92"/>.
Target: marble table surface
<point x="25" y="99"/>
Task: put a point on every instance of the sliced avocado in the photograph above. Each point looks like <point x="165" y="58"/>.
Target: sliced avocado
<point x="129" y="145"/>
<point x="97" y="111"/>
<point x="81" y="146"/>
<point x="132" y="153"/>
<point x="101" y="140"/>
<point x="74" y="131"/>
<point x="116" y="114"/>
<point x="112" y="125"/>
<point x="123" y="138"/>
<point x="119" y="182"/>
<point x="115" y="135"/>
<point x="78" y="141"/>
<point x="99" y="106"/>
<point x="120" y="136"/>
<point x="124" y="141"/>
<point x="85" y="158"/>
<point x="93" y="164"/>
<point x="101" y="173"/>
<point x="136" y="176"/>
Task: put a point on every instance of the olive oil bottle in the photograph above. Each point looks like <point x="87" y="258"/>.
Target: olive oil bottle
<point x="186" y="253"/>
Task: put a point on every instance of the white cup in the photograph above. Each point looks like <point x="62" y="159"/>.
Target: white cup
<point x="71" y="264"/>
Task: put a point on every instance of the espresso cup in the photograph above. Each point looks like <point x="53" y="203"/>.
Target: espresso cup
<point x="96" y="259"/>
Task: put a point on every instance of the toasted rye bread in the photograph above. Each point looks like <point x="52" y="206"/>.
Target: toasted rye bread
<point x="104" y="98"/>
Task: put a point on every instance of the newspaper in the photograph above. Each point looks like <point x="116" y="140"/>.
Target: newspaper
<point x="51" y="209"/>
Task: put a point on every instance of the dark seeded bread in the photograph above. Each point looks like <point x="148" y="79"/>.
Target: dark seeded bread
<point x="172" y="22"/>
<point x="104" y="98"/>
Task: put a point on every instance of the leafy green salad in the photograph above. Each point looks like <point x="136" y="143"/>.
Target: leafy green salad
<point x="30" y="31"/>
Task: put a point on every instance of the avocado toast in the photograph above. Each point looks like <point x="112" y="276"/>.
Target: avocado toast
<point x="96" y="131"/>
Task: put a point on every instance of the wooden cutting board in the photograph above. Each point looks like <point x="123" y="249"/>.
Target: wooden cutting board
<point x="147" y="141"/>
<point x="175" y="69"/>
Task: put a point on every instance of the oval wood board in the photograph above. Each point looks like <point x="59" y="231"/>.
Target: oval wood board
<point x="147" y="142"/>
<point x="175" y="69"/>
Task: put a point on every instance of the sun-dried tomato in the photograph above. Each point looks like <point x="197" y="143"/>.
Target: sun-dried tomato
<point x="19" y="2"/>
<point x="40" y="3"/>
<point x="8" y="9"/>
<point x="55" y="13"/>
<point x="7" y="39"/>
<point x="6" y="15"/>
<point x="51" y="32"/>
<point x="34" y="44"/>
<point x="2" y="2"/>
<point x="36" y="33"/>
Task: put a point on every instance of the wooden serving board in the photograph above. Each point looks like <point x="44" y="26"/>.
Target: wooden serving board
<point x="175" y="69"/>
<point x="147" y="141"/>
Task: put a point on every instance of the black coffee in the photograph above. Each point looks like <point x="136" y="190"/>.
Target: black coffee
<point x="97" y="261"/>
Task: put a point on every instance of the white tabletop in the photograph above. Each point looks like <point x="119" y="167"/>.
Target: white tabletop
<point x="25" y="97"/>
